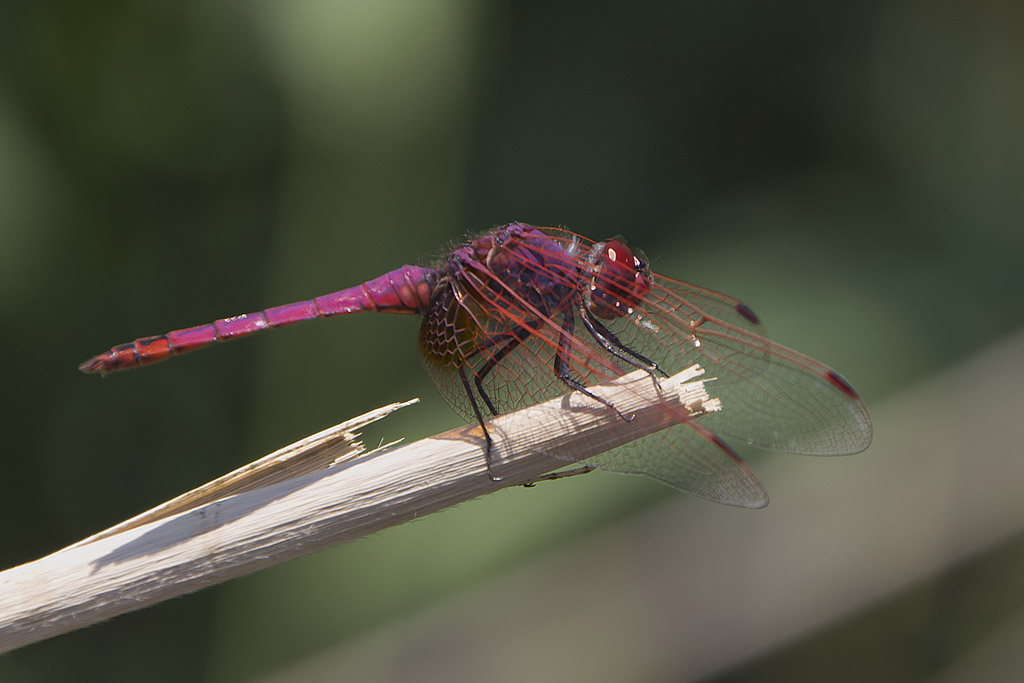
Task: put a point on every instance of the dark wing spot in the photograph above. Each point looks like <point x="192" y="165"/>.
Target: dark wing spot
<point x="840" y="383"/>
<point x="747" y="313"/>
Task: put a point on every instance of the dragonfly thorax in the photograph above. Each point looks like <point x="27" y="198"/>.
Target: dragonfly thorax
<point x="502" y="286"/>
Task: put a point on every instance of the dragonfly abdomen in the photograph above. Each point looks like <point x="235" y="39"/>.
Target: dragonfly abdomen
<point x="404" y="290"/>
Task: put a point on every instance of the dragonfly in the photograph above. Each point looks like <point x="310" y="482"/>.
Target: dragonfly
<point x="521" y="314"/>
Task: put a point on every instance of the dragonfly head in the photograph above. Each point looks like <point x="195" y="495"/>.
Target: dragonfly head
<point x="619" y="279"/>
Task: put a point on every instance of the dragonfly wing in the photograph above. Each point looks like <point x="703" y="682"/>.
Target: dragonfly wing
<point x="686" y="456"/>
<point x="512" y="352"/>
<point x="773" y="397"/>
<point x="783" y="400"/>
<point x="687" y="299"/>
<point x="691" y="458"/>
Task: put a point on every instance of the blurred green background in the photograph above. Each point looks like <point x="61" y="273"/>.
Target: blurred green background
<point x="853" y="171"/>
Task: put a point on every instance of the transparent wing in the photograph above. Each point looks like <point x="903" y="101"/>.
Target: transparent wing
<point x="774" y="397"/>
<point x="691" y="458"/>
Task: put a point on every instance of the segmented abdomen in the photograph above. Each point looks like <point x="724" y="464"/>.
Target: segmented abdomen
<point x="404" y="290"/>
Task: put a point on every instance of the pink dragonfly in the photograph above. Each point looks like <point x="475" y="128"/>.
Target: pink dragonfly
<point x="523" y="314"/>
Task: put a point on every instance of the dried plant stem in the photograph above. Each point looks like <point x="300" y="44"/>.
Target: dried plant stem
<point x="204" y="538"/>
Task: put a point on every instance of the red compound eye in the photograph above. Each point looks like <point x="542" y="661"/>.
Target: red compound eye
<point x="620" y="279"/>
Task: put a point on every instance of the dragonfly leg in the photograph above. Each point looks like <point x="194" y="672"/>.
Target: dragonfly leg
<point x="517" y="335"/>
<point x="561" y="474"/>
<point x="479" y="418"/>
<point x="564" y="370"/>
<point x="490" y="365"/>
<point x="611" y="343"/>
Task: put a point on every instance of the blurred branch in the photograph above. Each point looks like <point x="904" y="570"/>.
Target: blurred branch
<point x="239" y="524"/>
